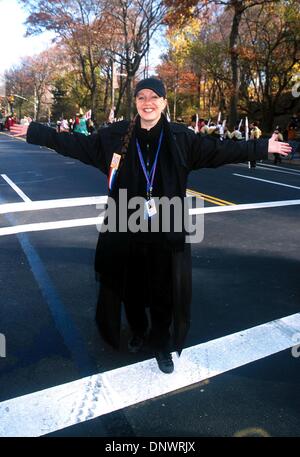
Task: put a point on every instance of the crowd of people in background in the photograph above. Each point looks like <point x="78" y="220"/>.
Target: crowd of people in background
<point x="80" y="124"/>
<point x="6" y="122"/>
<point x="219" y="130"/>
<point x="83" y="123"/>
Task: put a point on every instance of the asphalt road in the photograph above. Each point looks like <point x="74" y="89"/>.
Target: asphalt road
<point x="245" y="275"/>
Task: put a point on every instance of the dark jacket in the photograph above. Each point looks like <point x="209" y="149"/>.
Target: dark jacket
<point x="187" y="152"/>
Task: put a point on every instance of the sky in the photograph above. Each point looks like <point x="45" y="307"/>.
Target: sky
<point x="15" y="45"/>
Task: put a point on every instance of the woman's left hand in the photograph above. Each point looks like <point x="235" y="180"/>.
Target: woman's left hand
<point x="278" y="147"/>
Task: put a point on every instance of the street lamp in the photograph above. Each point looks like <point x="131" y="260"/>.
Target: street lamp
<point x="114" y="85"/>
<point x="34" y="102"/>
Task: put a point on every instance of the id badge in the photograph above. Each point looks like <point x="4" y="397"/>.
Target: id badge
<point x="115" y="161"/>
<point x="150" y="208"/>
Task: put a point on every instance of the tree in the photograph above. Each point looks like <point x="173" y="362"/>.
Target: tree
<point x="82" y="27"/>
<point x="40" y="71"/>
<point x="181" y="10"/>
<point x="136" y="21"/>
<point x="267" y="76"/>
<point x="97" y="31"/>
<point x="17" y="83"/>
<point x="178" y="71"/>
<point x="31" y="82"/>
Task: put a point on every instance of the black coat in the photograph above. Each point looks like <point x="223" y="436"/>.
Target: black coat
<point x="187" y="152"/>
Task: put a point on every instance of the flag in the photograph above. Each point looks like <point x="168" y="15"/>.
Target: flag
<point x="197" y="122"/>
<point x="246" y="129"/>
<point x="222" y="128"/>
<point x="168" y="115"/>
<point x="18" y="129"/>
<point x="247" y="136"/>
<point x="88" y="114"/>
<point x="111" y="117"/>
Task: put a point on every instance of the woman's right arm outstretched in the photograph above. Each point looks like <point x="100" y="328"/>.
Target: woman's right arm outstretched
<point x="87" y="149"/>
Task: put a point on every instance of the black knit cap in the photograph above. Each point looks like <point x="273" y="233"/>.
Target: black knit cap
<point x="151" y="83"/>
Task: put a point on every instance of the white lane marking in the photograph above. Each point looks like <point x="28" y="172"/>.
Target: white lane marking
<point x="68" y="404"/>
<point x="93" y="221"/>
<point x="40" y="226"/>
<point x="243" y="207"/>
<point x="261" y="167"/>
<point x="50" y="204"/>
<point x="278" y="166"/>
<point x="265" y="180"/>
<point x="16" y="189"/>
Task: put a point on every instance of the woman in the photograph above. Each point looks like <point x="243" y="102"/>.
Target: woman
<point x="148" y="157"/>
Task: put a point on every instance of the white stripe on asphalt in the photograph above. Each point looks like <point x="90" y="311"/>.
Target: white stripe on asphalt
<point x="40" y="226"/>
<point x="50" y="204"/>
<point x="16" y="189"/>
<point x="262" y="167"/>
<point x="278" y="166"/>
<point x="265" y="180"/>
<point x="243" y="207"/>
<point x="68" y="404"/>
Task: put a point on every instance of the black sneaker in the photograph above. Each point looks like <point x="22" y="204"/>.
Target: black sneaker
<point x="135" y="343"/>
<point x="164" y="361"/>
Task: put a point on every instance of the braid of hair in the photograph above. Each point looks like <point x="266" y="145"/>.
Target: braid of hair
<point x="128" y="136"/>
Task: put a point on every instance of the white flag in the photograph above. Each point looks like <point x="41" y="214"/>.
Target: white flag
<point x="197" y="122"/>
<point x="246" y="129"/>
<point x="168" y="115"/>
<point x="111" y="117"/>
<point x="88" y="114"/>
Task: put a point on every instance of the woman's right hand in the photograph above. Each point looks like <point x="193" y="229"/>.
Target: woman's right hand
<point x="19" y="130"/>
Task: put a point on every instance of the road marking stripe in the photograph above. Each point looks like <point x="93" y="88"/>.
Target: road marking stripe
<point x="278" y="166"/>
<point x="50" y="204"/>
<point x="16" y="188"/>
<point x="192" y="194"/>
<point x="40" y="226"/>
<point x="217" y="199"/>
<point x="261" y="167"/>
<point x="58" y="203"/>
<point x="265" y="180"/>
<point x="62" y="406"/>
<point x="210" y="200"/>
<point x="211" y="197"/>
<point x="244" y="207"/>
<point x="63" y="322"/>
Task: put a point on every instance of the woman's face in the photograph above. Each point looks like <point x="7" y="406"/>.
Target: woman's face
<point x="149" y="106"/>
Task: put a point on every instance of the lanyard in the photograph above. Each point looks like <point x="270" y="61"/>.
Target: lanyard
<point x="149" y="177"/>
